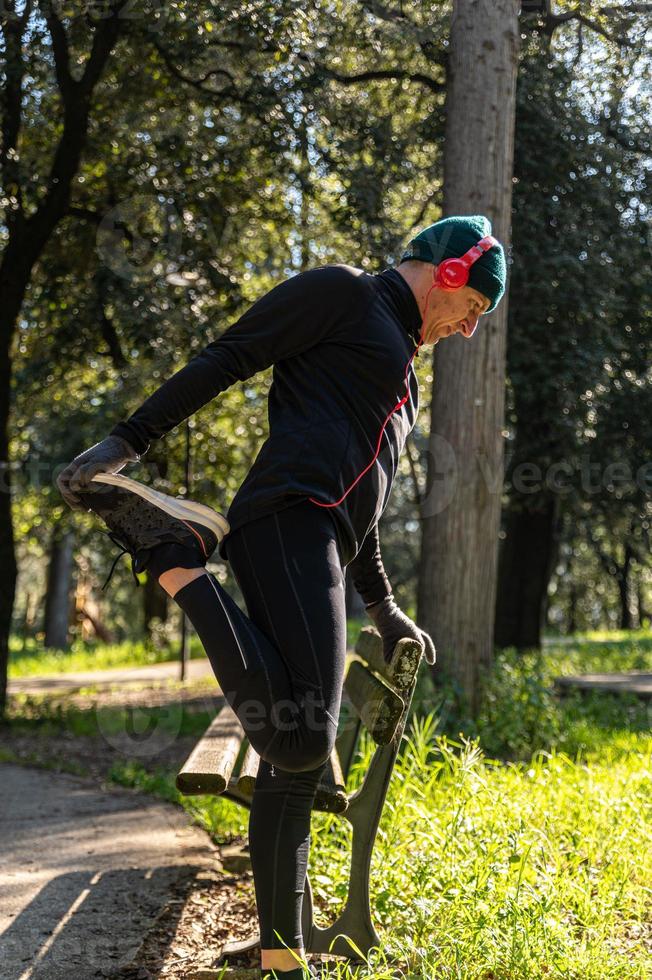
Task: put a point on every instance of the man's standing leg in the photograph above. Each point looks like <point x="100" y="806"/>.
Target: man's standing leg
<point x="289" y="571"/>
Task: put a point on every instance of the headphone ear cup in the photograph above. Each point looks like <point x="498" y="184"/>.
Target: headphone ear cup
<point x="452" y="274"/>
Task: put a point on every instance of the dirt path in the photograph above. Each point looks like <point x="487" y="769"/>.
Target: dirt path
<point x="197" y="669"/>
<point x="88" y="874"/>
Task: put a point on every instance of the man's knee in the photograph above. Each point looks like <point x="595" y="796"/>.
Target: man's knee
<point x="315" y="753"/>
<point x="312" y="753"/>
<point x="303" y="739"/>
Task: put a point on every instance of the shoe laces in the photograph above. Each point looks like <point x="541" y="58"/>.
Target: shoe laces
<point x="124" y="549"/>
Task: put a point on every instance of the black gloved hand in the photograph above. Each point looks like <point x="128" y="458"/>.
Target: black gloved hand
<point x="108" y="456"/>
<point x="393" y="625"/>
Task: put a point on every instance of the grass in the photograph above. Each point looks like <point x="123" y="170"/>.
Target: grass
<point x="517" y="846"/>
<point x="601" y="652"/>
<point x="30" y="658"/>
<point x="519" y="870"/>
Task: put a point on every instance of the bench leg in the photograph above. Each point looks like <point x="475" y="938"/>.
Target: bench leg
<point x="236" y="946"/>
<point x="346" y="744"/>
<point x="363" y="813"/>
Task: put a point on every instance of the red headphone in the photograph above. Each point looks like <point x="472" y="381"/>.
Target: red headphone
<point x="454" y="273"/>
<point x="449" y="274"/>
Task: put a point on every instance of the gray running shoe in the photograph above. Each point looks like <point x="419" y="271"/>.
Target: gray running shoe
<point x="140" y="518"/>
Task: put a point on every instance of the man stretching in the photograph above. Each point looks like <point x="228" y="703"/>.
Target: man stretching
<point x="344" y="398"/>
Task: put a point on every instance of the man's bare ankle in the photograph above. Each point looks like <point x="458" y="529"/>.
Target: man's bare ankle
<point x="175" y="578"/>
<point x="281" y="959"/>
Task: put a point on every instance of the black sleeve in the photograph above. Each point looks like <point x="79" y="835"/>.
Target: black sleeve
<point x="367" y="570"/>
<point x="292" y="317"/>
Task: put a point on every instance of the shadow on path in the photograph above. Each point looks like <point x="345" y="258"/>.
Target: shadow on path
<point x="85" y="873"/>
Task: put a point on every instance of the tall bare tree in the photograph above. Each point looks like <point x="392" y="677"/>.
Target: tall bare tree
<point x="56" y="614"/>
<point x="461" y="510"/>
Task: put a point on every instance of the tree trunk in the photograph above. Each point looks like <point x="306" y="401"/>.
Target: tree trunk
<point x="572" y="606"/>
<point x="461" y="512"/>
<point x="12" y="291"/>
<point x="56" y="616"/>
<point x="644" y="617"/>
<point x="524" y="568"/>
<point x="625" y="591"/>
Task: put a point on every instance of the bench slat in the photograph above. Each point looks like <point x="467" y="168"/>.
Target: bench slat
<point x="248" y="771"/>
<point x="378" y="706"/>
<point x="402" y="669"/>
<point x="331" y="793"/>
<point x="210" y="764"/>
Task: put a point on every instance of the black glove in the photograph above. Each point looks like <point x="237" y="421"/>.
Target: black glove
<point x="393" y="625"/>
<point x="108" y="456"/>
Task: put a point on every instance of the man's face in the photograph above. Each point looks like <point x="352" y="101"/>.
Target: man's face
<point x="453" y="311"/>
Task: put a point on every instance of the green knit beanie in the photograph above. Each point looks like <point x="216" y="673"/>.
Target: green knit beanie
<point x="452" y="237"/>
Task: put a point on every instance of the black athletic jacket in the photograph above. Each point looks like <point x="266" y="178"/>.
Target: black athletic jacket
<point x="339" y="340"/>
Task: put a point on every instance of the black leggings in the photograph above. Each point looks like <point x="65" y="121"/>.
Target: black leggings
<point x="281" y="669"/>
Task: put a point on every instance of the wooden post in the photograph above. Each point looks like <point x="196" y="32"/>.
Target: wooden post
<point x="184" y="619"/>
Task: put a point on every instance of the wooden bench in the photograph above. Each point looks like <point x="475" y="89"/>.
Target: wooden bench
<point x="378" y="697"/>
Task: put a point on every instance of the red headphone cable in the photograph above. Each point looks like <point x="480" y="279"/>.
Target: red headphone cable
<point x="398" y="405"/>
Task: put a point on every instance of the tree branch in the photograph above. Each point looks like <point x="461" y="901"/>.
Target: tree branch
<point x="553" y="20"/>
<point x="65" y="81"/>
<point x="86" y="214"/>
<point x="107" y="328"/>
<point x="76" y="98"/>
<point x="634" y="8"/>
<point x="419" y="218"/>
<point x="96" y="217"/>
<point x="217" y="71"/>
<point x="580" y="45"/>
<point x="421" y="36"/>
<point x="104" y="39"/>
<point x="397" y="73"/>
<point x="375" y="75"/>
<point x="196" y="83"/>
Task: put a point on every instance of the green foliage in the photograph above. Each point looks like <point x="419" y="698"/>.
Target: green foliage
<point x="522" y="714"/>
<point x="132" y="774"/>
<point x="513" y="869"/>
<point x="519" y="714"/>
<point x="43" y="715"/>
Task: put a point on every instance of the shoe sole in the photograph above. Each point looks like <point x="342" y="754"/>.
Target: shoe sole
<point x="183" y="510"/>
